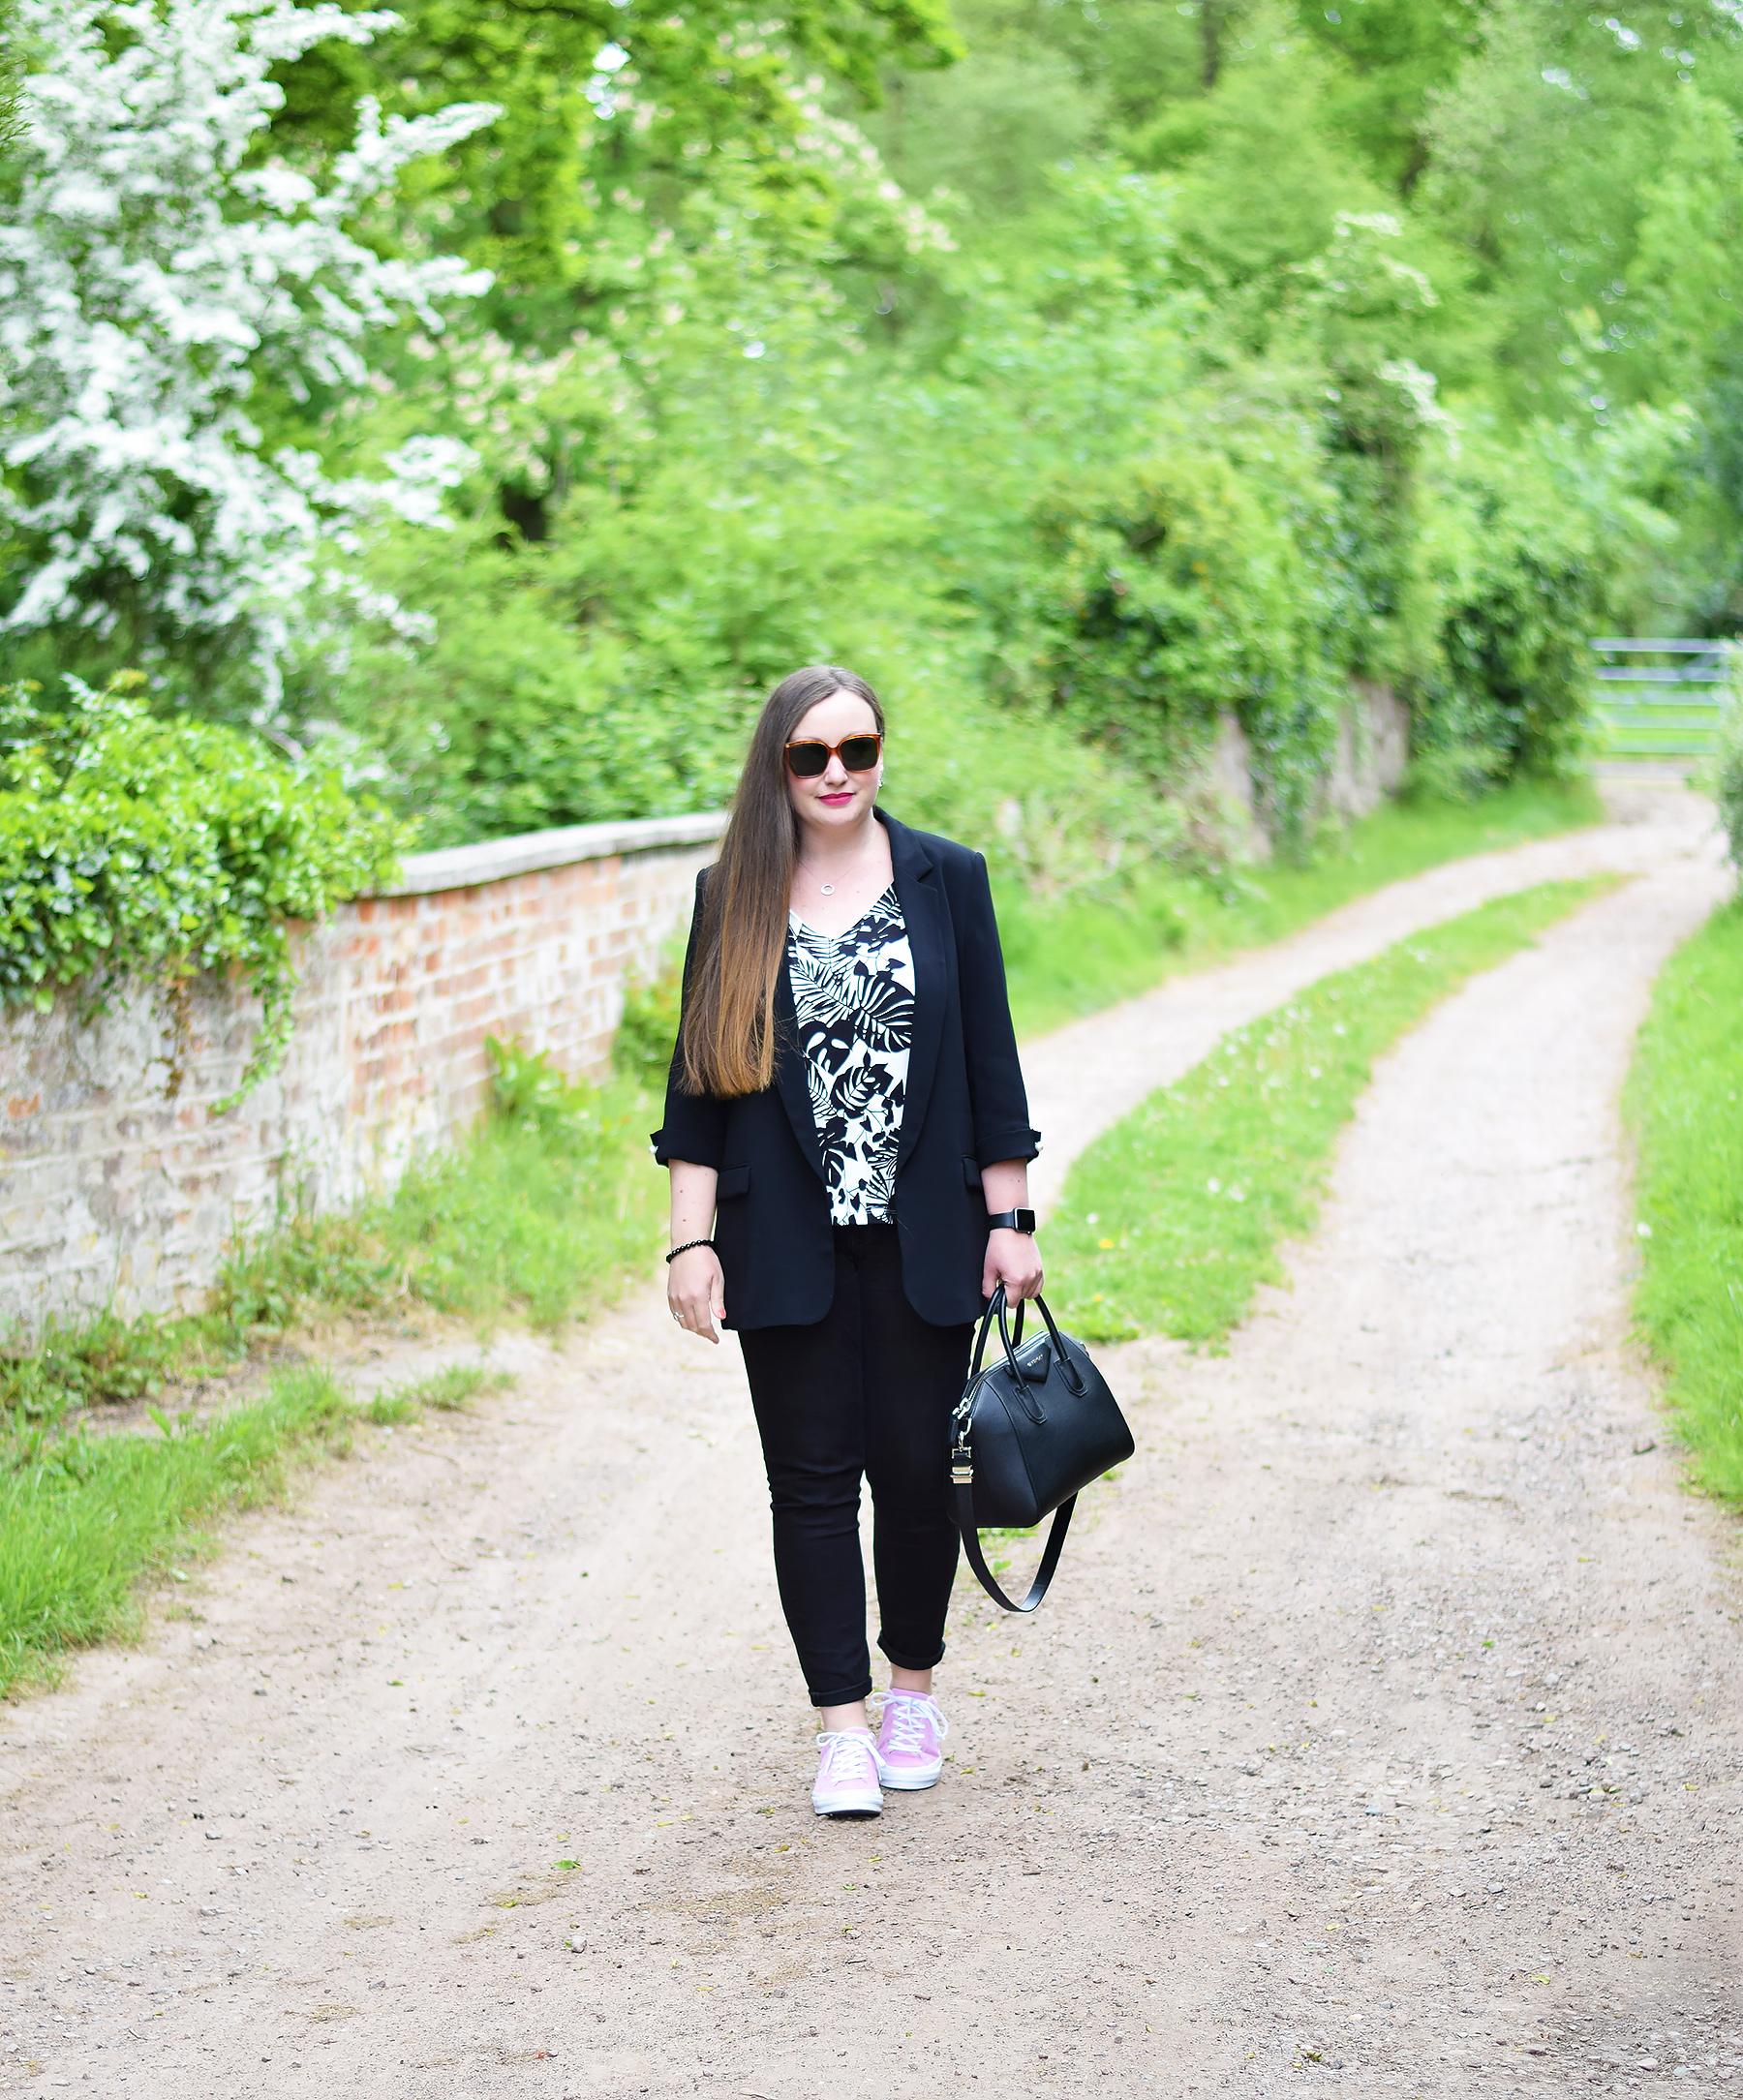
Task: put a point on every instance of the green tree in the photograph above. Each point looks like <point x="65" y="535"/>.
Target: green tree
<point x="608" y="111"/>
<point x="1546" y="153"/>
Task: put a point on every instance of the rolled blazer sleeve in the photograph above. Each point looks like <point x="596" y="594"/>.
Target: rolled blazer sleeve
<point x="999" y="1098"/>
<point x="695" y="1124"/>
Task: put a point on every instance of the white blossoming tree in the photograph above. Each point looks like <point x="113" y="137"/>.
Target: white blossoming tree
<point x="151" y="283"/>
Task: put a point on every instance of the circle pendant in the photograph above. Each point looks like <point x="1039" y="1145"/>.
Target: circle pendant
<point x="826" y="888"/>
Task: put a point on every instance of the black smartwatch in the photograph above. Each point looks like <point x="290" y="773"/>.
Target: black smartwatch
<point x="1011" y="1221"/>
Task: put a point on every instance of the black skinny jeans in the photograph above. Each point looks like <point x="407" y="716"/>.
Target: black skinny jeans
<point x="868" y="1390"/>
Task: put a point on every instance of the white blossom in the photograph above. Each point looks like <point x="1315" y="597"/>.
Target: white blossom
<point x="149" y="282"/>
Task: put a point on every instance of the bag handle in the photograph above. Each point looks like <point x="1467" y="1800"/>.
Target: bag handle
<point x="963" y="1463"/>
<point x="995" y="1310"/>
<point x="1067" y="1369"/>
<point x="1050" y="1557"/>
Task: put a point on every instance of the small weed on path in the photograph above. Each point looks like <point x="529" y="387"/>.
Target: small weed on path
<point x="446" y="1390"/>
<point x="1685" y="1103"/>
<point x="1172" y="1219"/>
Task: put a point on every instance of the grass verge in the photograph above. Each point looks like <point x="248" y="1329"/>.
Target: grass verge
<point x="1683" y="1104"/>
<point x="1075" y="957"/>
<point x="1172" y="1219"/>
<point x="540" y="1211"/>
<point x="84" y="1518"/>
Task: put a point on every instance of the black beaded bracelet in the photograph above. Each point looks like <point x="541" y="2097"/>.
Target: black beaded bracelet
<point x="686" y="1248"/>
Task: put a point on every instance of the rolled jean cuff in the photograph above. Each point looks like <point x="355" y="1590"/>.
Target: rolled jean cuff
<point x="912" y="1662"/>
<point x="846" y="1697"/>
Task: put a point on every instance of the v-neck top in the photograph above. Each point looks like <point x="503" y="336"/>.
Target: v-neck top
<point x="854" y="997"/>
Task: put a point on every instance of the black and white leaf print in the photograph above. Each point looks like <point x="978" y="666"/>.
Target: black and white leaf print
<point x="882" y="1011"/>
<point x="856" y="1090"/>
<point x="809" y="972"/>
<point x="853" y="993"/>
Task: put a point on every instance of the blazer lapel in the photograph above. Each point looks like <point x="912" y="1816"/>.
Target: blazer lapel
<point x="789" y="1073"/>
<point x="926" y="912"/>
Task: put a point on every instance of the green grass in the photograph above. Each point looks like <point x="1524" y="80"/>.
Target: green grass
<point x="1172" y="1219"/>
<point x="1685" y="1103"/>
<point x="1075" y="957"/>
<point x="84" y="1518"/>
<point x="449" y="1391"/>
<point x="88" y="1519"/>
<point x="541" y="1211"/>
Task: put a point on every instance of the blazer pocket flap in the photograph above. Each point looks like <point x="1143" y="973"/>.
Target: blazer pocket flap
<point x="733" y="1181"/>
<point x="971" y="1173"/>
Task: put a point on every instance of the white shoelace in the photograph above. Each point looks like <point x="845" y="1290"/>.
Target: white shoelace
<point x="841" y="1749"/>
<point x="907" y="1716"/>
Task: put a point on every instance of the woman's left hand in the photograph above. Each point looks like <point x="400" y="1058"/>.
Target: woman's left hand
<point x="1013" y="1260"/>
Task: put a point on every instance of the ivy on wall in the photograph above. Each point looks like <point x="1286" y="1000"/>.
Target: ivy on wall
<point x="139" y="848"/>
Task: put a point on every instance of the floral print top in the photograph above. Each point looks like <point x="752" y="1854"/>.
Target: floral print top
<point x="854" y="995"/>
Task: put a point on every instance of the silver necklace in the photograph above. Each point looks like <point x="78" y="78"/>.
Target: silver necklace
<point x="826" y="888"/>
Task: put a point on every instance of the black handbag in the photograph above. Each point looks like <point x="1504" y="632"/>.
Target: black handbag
<point x="1031" y="1429"/>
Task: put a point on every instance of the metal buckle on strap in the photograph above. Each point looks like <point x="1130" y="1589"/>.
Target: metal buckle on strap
<point x="961" y="1467"/>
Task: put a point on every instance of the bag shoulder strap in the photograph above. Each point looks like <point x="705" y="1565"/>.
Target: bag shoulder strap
<point x="1050" y="1557"/>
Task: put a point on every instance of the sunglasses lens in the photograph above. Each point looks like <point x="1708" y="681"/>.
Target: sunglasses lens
<point x="859" y="754"/>
<point x="807" y="760"/>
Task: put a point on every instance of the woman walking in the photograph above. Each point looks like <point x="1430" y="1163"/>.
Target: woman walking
<point x="847" y="1134"/>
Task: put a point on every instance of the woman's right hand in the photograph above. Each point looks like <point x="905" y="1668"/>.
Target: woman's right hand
<point x="697" y="1292"/>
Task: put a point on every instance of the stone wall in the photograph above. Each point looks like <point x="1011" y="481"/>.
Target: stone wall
<point x="115" y="1190"/>
<point x="1373" y="751"/>
<point x="1367" y="764"/>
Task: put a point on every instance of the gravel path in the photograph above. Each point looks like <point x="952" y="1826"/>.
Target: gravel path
<point x="1148" y="1041"/>
<point x="1381" y="1734"/>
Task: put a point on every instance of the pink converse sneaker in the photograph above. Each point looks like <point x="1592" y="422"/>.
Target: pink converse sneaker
<point x="911" y="1753"/>
<point x="847" y="1776"/>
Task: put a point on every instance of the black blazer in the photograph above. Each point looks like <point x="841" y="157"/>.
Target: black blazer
<point x="966" y="1108"/>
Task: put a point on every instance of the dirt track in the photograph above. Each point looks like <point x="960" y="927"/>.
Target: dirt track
<point x="1284" y="1775"/>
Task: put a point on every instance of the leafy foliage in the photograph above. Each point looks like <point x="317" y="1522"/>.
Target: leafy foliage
<point x="1019" y="381"/>
<point x="610" y="105"/>
<point x="647" y="1031"/>
<point x="1725" y="775"/>
<point x="138" y="846"/>
<point x="541" y="1211"/>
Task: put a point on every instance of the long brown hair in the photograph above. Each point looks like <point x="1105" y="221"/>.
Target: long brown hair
<point x="728" y="1034"/>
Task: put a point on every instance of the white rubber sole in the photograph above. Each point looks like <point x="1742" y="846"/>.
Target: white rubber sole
<point x="855" y="1806"/>
<point x="909" y="1782"/>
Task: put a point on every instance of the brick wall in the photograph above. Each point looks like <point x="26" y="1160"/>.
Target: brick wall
<point x="114" y="1191"/>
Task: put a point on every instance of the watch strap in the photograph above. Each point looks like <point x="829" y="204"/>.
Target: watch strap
<point x="1011" y="1221"/>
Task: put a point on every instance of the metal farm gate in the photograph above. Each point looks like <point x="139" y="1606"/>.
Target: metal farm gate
<point x="1659" y="699"/>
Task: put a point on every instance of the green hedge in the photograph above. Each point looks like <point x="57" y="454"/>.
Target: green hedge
<point x="135" y="845"/>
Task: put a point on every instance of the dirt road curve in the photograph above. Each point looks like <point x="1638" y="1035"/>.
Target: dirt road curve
<point x="1382" y="1733"/>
